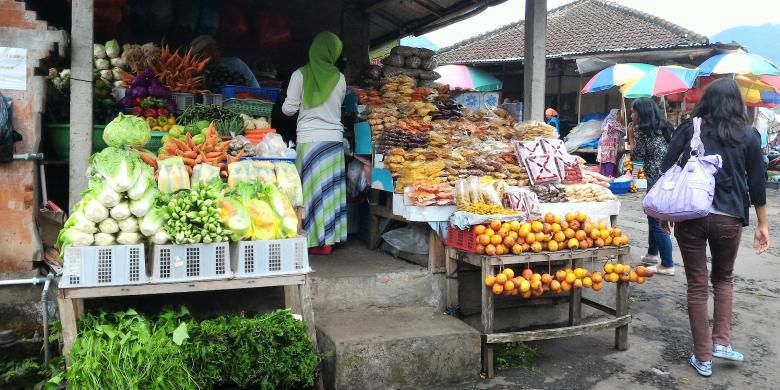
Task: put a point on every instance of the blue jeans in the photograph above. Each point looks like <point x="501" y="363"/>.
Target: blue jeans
<point x="659" y="241"/>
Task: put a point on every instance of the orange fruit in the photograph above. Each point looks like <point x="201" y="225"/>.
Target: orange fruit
<point x="577" y="283"/>
<point x="565" y="286"/>
<point x="624" y="278"/>
<point x="579" y="273"/>
<point x="570" y="216"/>
<point x="514" y="235"/>
<point x="538" y="292"/>
<point x="509" y="285"/>
<point x="614" y="277"/>
<point x="580" y="235"/>
<point x="525" y="247"/>
<point x="490" y="280"/>
<point x="595" y="233"/>
<point x="496" y="239"/>
<point x="573" y="244"/>
<point x="528" y="274"/>
<point x="506" y="226"/>
<point x="601" y="225"/>
<point x="536" y="276"/>
<point x="552" y="246"/>
<point x="616" y="233"/>
<point x="498" y="289"/>
<point x="490" y="250"/>
<point x="516" y="280"/>
<point x="640" y="270"/>
<point x="640" y="279"/>
<point x="587" y="282"/>
<point x="574" y="225"/>
<point x="569" y="233"/>
<point x="549" y="218"/>
<point x="603" y="233"/>
<point x="570" y="277"/>
<point x="596" y="277"/>
<point x="517" y="249"/>
<point x="524" y="229"/>
<point x="599" y="243"/>
<point x="509" y="273"/>
<point x="479" y="229"/>
<point x="546" y="228"/>
<point x="525" y="285"/>
<point x="587" y="227"/>
<point x="495" y="224"/>
<point x="483" y="239"/>
<point x="536" y="247"/>
<point x="590" y="242"/>
<point x="480" y="249"/>
<point x="503" y="232"/>
<point x="633" y="277"/>
<point x="526" y="294"/>
<point x="514" y="226"/>
<point x="509" y="241"/>
<point x="490" y="232"/>
<point x="581" y="216"/>
<point x="560" y="275"/>
<point x="556" y="228"/>
<point x="501" y="278"/>
<point x="530" y="238"/>
<point x="564" y="225"/>
<point x="557" y="219"/>
<point x="501" y="249"/>
<point x="617" y="268"/>
<point x="609" y="268"/>
<point x="535" y="284"/>
<point x="515" y="292"/>
<point x="540" y="237"/>
<point x="536" y="226"/>
<point x="555" y="286"/>
<point x="608" y="241"/>
<point x="596" y="286"/>
<point x="559" y="237"/>
<point x="546" y="279"/>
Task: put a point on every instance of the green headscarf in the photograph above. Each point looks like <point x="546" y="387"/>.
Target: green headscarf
<point x="320" y="76"/>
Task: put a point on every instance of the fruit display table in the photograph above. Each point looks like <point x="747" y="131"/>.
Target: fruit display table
<point x="619" y="317"/>
<point x="296" y="297"/>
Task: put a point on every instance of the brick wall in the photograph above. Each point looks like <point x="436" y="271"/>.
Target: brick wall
<point x="19" y="184"/>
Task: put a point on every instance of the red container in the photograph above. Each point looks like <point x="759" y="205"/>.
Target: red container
<point x="464" y="240"/>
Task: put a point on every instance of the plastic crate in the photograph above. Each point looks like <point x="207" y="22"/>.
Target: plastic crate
<point x="176" y="263"/>
<point x="212" y="99"/>
<point x="155" y="142"/>
<point x="241" y="92"/>
<point x="464" y="240"/>
<point x="253" y="107"/>
<point x="270" y="257"/>
<point x="183" y="100"/>
<point x="97" y="266"/>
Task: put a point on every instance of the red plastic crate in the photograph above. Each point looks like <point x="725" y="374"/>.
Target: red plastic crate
<point x="464" y="240"/>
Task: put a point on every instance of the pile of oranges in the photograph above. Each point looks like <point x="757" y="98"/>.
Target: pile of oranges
<point x="552" y="233"/>
<point x="534" y="284"/>
<point x="615" y="272"/>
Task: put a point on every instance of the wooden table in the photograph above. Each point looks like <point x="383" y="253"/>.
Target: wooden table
<point x="619" y="317"/>
<point x="296" y="297"/>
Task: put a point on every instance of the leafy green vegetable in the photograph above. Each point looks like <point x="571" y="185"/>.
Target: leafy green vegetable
<point x="143" y="183"/>
<point x="80" y="222"/>
<point x="108" y="225"/>
<point x="127" y="130"/>
<point x="91" y="207"/>
<point x="103" y="239"/>
<point x="140" y="207"/>
<point x="104" y="193"/>
<point x="120" y="168"/>
<point x="152" y="222"/>
<point x="193" y="216"/>
<point x="71" y="237"/>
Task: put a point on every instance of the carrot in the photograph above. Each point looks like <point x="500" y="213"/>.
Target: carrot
<point x="171" y="148"/>
<point x="191" y="144"/>
<point x="189" y="161"/>
<point x="214" y="154"/>
<point x="199" y="159"/>
<point x="223" y="146"/>
<point x="183" y="146"/>
<point x="149" y="160"/>
<point x="179" y="153"/>
<point x="190" y="154"/>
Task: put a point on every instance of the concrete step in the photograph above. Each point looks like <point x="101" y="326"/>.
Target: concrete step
<point x="356" y="278"/>
<point x="398" y="348"/>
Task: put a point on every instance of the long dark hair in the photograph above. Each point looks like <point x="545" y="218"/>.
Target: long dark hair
<point x="651" y="120"/>
<point x="723" y="111"/>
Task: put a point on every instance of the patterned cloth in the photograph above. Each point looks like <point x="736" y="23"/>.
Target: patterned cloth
<point x="321" y="166"/>
<point x="650" y="150"/>
<point x="612" y="132"/>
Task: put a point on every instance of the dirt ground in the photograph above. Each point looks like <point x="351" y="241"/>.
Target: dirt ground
<point x="659" y="336"/>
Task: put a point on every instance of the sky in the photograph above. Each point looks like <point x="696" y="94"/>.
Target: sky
<point x="707" y="17"/>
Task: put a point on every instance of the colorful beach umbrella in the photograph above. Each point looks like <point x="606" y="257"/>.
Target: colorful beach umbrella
<point x="466" y="77"/>
<point x="774" y="81"/>
<point x="616" y="75"/>
<point x="661" y="81"/>
<point x="738" y="63"/>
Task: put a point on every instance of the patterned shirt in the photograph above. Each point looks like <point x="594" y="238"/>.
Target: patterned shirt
<point x="651" y="151"/>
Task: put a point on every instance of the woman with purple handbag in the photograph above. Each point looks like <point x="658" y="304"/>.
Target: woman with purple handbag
<point x="719" y="139"/>
<point x="651" y="140"/>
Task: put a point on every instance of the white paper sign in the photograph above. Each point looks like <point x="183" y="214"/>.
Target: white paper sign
<point x="13" y="68"/>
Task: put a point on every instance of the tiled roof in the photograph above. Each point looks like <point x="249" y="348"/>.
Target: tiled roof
<point x="581" y="27"/>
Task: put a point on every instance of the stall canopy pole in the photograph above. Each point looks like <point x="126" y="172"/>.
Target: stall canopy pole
<point x="81" y="96"/>
<point x="534" y="62"/>
<point x="579" y="102"/>
<point x="666" y="116"/>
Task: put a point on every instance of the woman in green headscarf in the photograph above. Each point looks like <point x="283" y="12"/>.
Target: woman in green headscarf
<point x="316" y="92"/>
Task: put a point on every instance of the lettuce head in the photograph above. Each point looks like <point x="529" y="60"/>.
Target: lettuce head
<point x="127" y="130"/>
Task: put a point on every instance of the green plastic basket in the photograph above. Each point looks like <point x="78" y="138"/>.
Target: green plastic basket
<point x="253" y="107"/>
<point x="59" y="139"/>
<point x="156" y="141"/>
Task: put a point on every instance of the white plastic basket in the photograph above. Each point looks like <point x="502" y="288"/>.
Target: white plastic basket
<point x="270" y="257"/>
<point x="97" y="266"/>
<point x="176" y="263"/>
<point x="213" y="99"/>
<point x="183" y="100"/>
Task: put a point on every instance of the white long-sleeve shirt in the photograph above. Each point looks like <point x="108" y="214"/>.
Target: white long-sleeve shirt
<point x="316" y="124"/>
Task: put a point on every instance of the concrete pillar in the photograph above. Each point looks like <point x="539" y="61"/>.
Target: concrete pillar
<point x="355" y="35"/>
<point x="534" y="59"/>
<point x="81" y="36"/>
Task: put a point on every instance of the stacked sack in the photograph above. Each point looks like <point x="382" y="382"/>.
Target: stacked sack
<point x="417" y="63"/>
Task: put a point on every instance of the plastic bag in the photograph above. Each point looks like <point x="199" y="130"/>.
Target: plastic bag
<point x="289" y="182"/>
<point x="288" y="227"/>
<point x="357" y="180"/>
<point x="204" y="173"/>
<point x="393" y="60"/>
<point x="265" y="222"/>
<point x="264" y="172"/>
<point x="474" y="189"/>
<point x="582" y="134"/>
<point x="273" y="145"/>
<point x="172" y="175"/>
<point x="236" y="218"/>
<point x="411" y="239"/>
<point x="413" y="62"/>
<point x="462" y="194"/>
<point x="241" y="172"/>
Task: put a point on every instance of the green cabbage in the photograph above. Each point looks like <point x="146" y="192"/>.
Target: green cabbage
<point x="140" y="207"/>
<point x="160" y="237"/>
<point x="104" y="193"/>
<point x="104" y="239"/>
<point x="112" y="49"/>
<point x="127" y="130"/>
<point x="109" y="226"/>
<point x="144" y="182"/>
<point x="120" y="211"/>
<point x="153" y="222"/>
<point x="73" y="237"/>
<point x="80" y="222"/>
<point x="120" y="168"/>
<point x="127" y="238"/>
<point x="91" y="207"/>
<point x="128" y="225"/>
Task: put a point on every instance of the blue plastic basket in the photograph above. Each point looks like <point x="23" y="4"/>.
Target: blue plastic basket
<point x="619" y="187"/>
<point x="231" y="91"/>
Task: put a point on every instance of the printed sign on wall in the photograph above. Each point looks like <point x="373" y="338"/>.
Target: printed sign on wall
<point x="13" y="68"/>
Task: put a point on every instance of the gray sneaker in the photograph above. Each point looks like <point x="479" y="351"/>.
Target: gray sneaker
<point x="650" y="259"/>
<point x="727" y="353"/>
<point x="661" y="270"/>
<point x="703" y="368"/>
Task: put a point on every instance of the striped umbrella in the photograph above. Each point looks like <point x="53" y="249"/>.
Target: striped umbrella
<point x="661" y="81"/>
<point x="738" y="63"/>
<point x="466" y="77"/>
<point x="616" y="75"/>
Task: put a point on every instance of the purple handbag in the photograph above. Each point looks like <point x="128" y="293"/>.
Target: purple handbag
<point x="685" y="193"/>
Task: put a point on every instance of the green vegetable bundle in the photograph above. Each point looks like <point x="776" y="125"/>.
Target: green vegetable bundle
<point x="193" y="216"/>
<point x="226" y="120"/>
